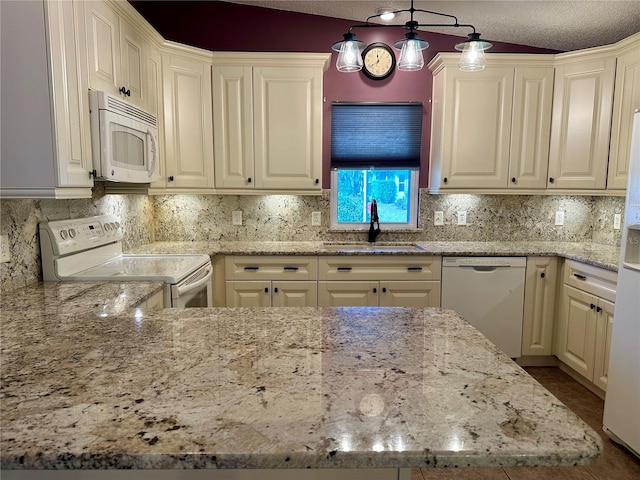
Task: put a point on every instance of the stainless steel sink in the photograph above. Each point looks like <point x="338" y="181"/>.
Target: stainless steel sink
<point x="371" y="247"/>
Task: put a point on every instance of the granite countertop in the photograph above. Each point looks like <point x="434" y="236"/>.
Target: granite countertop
<point x="599" y="255"/>
<point x="272" y="388"/>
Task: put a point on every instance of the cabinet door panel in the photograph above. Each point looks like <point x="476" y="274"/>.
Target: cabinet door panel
<point x="410" y="294"/>
<point x="626" y="101"/>
<point x="69" y="87"/>
<point x="347" y="294"/>
<point x="295" y="294"/>
<point x="102" y="46"/>
<point x="580" y="129"/>
<point x="233" y="126"/>
<point x="539" y="305"/>
<point x="477" y="119"/>
<point x="188" y="122"/>
<point x="578" y="330"/>
<point x="603" y="343"/>
<point x="133" y="66"/>
<point x="287" y="127"/>
<point x="248" y="294"/>
<point x="530" y="130"/>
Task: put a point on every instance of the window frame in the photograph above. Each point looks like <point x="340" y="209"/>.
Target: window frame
<point x="413" y="203"/>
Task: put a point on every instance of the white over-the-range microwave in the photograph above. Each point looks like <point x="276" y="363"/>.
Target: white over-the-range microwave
<point x="124" y="140"/>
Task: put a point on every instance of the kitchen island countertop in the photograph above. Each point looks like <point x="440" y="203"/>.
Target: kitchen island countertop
<point x="272" y="388"/>
<point x="599" y="255"/>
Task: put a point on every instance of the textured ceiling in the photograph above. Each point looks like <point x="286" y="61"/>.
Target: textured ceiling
<point x="558" y="25"/>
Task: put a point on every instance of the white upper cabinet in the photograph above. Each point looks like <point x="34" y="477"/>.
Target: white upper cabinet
<point x="188" y="130"/>
<point x="268" y="121"/>
<point x="115" y="53"/>
<point x="626" y="100"/>
<point x="581" y="123"/>
<point x="46" y="150"/>
<point x="490" y="129"/>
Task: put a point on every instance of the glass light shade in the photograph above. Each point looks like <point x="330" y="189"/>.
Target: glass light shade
<point x="472" y="58"/>
<point x="411" y="58"/>
<point x="349" y="54"/>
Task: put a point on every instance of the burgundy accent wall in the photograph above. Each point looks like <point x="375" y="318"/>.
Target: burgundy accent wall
<point x="221" y="26"/>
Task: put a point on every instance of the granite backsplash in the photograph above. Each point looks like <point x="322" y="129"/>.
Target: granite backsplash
<point x="288" y="218"/>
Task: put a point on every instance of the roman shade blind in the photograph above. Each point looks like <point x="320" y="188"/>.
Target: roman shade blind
<point x="379" y="135"/>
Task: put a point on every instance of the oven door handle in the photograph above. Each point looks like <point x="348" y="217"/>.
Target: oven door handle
<point x="183" y="289"/>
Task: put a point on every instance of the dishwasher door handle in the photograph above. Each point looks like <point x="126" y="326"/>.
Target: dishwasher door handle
<point x="484" y="268"/>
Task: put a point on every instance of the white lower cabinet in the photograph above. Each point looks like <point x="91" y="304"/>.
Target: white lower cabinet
<point x="394" y="281"/>
<point x="585" y="321"/>
<point x="539" y="305"/>
<point x="280" y="281"/>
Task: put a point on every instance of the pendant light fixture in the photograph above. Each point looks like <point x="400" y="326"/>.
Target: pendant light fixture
<point x="411" y="47"/>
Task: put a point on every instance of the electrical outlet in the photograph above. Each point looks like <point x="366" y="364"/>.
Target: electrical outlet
<point x="559" y="218"/>
<point x="5" y="255"/>
<point x="617" y="220"/>
<point x="438" y="218"/>
<point x="316" y="219"/>
<point x="462" y="217"/>
<point x="236" y="217"/>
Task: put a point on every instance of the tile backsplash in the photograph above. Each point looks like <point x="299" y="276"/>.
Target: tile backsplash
<point x="288" y="218"/>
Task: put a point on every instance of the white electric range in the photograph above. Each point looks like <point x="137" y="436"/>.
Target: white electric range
<point x="90" y="249"/>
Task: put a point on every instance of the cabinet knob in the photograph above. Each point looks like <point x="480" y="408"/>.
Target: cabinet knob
<point x="266" y="289"/>
<point x="513" y="179"/>
<point x="592" y="306"/>
<point x="598" y="309"/>
<point x="275" y="290"/>
<point x="375" y="290"/>
<point x="171" y="178"/>
<point x="384" y="289"/>
<point x="542" y="275"/>
<point x="317" y="181"/>
<point x="93" y="173"/>
<point x="125" y="91"/>
<point x="249" y="180"/>
<point x="445" y="179"/>
<point x="551" y="180"/>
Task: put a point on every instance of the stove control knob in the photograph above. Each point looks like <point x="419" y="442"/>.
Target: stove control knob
<point x="107" y="227"/>
<point x="72" y="232"/>
<point x="117" y="225"/>
<point x="63" y="234"/>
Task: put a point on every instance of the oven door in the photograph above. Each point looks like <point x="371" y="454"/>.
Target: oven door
<point x="194" y="291"/>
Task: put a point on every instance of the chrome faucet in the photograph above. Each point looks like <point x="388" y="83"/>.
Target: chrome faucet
<point x="374" y="232"/>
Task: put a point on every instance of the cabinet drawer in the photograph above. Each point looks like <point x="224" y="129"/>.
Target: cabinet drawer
<point x="271" y="268"/>
<point x="594" y="280"/>
<point x="379" y="268"/>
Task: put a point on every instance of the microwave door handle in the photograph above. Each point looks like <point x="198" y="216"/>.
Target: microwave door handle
<point x="182" y="289"/>
<point x="154" y="141"/>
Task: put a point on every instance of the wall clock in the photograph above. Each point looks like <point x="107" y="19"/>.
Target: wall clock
<point x="379" y="61"/>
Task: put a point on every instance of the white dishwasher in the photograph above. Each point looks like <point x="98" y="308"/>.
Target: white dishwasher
<point x="489" y="293"/>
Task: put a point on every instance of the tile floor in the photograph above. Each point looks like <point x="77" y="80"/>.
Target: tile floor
<point x="616" y="462"/>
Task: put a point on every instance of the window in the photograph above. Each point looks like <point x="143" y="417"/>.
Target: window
<point x="375" y="154"/>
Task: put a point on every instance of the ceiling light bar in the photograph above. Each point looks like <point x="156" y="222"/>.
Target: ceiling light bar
<point x="411" y="58"/>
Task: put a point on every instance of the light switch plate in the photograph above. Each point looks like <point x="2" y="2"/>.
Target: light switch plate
<point x="5" y="256"/>
<point x="559" y="218"/>
<point x="438" y="218"/>
<point x="617" y="220"/>
<point x="462" y="217"/>
<point x="316" y="219"/>
<point x="236" y="217"/>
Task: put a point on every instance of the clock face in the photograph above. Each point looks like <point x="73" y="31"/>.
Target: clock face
<point x="379" y="61"/>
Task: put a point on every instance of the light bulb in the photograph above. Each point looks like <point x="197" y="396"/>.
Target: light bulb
<point x="411" y="58"/>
